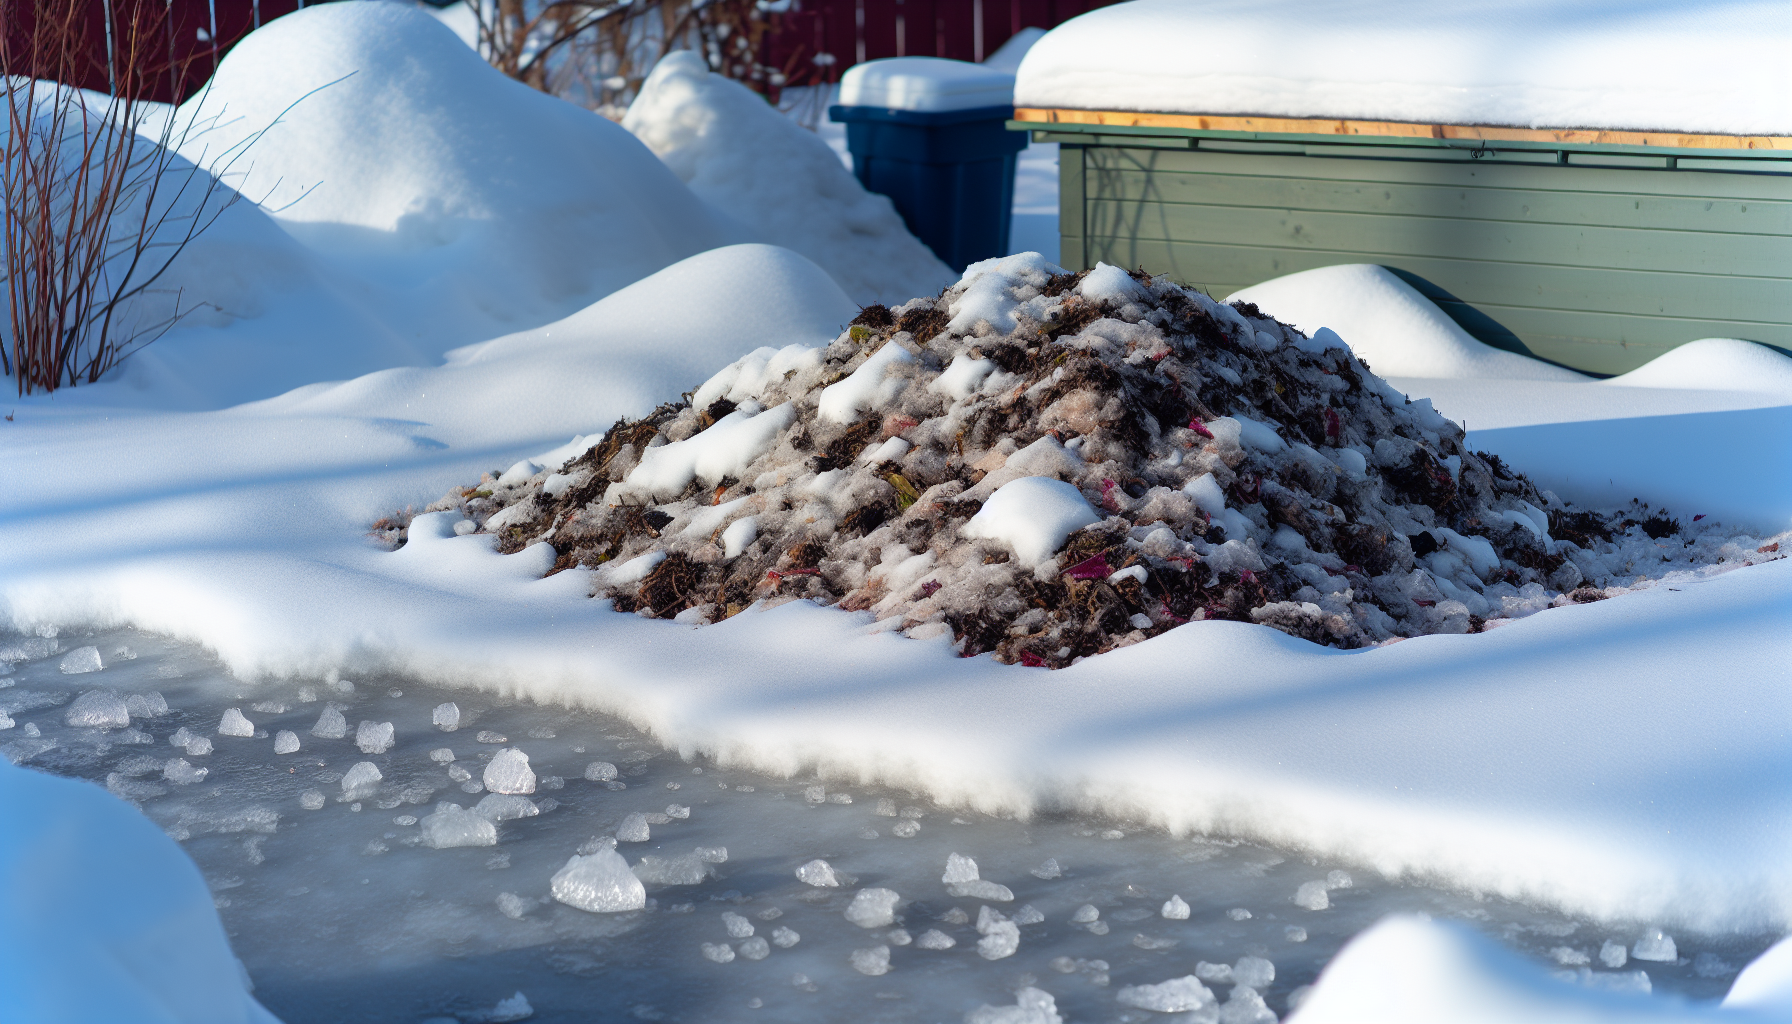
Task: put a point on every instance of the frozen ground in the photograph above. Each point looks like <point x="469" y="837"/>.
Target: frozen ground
<point x="342" y="911"/>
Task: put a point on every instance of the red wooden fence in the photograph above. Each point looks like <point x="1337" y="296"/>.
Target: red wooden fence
<point x="196" y="33"/>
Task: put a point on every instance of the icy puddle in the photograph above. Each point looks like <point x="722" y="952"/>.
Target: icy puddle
<point x="343" y="911"/>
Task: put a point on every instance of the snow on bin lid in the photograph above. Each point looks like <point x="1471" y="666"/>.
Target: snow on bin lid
<point x="1698" y="66"/>
<point x="925" y="84"/>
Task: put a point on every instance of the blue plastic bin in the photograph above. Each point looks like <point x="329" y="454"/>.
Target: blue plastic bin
<point x="950" y="173"/>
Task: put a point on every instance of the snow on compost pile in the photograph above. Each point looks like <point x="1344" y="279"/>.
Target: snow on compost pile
<point x="739" y="154"/>
<point x="1050" y="465"/>
<point x="1714" y="66"/>
<point x="393" y="148"/>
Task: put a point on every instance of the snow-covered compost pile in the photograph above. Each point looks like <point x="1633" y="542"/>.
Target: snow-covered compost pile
<point x="1049" y="465"/>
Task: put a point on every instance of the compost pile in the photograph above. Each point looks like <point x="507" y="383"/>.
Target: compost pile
<point x="1048" y="465"/>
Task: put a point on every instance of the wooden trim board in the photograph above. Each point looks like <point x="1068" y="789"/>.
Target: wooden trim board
<point x="1399" y="129"/>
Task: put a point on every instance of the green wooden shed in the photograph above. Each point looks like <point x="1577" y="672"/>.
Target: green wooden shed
<point x="1598" y="250"/>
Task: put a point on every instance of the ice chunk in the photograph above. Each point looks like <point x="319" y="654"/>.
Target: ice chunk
<point x="1031" y="1006"/>
<point x="508" y="1010"/>
<point x="234" y="724"/>
<point x="1219" y="974"/>
<point x="898" y="937"/>
<point x="712" y="854"/>
<point x="818" y="873"/>
<point x="1001" y="939"/>
<point x="784" y="938"/>
<point x="1655" y="947"/>
<point x="1312" y="896"/>
<point x="905" y="829"/>
<point x="495" y="807"/>
<point x="873" y="908"/>
<point x="1613" y="954"/>
<point x="446" y="717"/>
<point x="1085" y="914"/>
<point x="1175" y="909"/>
<point x="514" y="906"/>
<point x="959" y="868"/>
<point x="755" y="949"/>
<point x="1049" y="870"/>
<point x="441" y="755"/>
<point x="181" y="773"/>
<point x="360" y="781"/>
<point x="146" y="705"/>
<point x="81" y="660"/>
<point x="720" y="952"/>
<point x="1335" y="879"/>
<point x="1246" y="1006"/>
<point x="982" y="889"/>
<point x="98" y="709"/>
<point x="1294" y="933"/>
<point x="688" y="869"/>
<point x="933" y="938"/>
<point x="1028" y="914"/>
<point x="600" y="771"/>
<point x="312" y="800"/>
<point x="374" y="737"/>
<point x="873" y="961"/>
<point x="330" y="725"/>
<point x="678" y="812"/>
<point x="488" y="736"/>
<point x="1253" y="971"/>
<point x="509" y="772"/>
<point x="453" y="825"/>
<point x="286" y="742"/>
<point x="634" y="829"/>
<point x="199" y="746"/>
<point x="6" y="721"/>
<point x="1238" y="914"/>
<point x="738" y="927"/>
<point x="1178" y="995"/>
<point x="1032" y="516"/>
<point x="886" y="807"/>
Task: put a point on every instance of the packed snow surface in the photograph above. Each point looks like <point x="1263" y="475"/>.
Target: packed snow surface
<point x="1713" y="66"/>
<point x="780" y="180"/>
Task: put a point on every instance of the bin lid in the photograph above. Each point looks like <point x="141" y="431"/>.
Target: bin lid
<point x="925" y="84"/>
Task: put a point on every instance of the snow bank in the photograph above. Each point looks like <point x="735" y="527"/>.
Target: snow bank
<point x="402" y="154"/>
<point x="1715" y="364"/>
<point x="106" y="918"/>
<point x="1713" y="66"/>
<point x="1411" y="970"/>
<point x="780" y="180"/>
<point x="1388" y="324"/>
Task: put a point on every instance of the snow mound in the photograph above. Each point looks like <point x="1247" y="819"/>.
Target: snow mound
<point x="1131" y="456"/>
<point x="110" y="892"/>
<point x="1389" y="325"/>
<point x="1715" y="364"/>
<point x="397" y="146"/>
<point x="1709" y="66"/>
<point x="1408" y="970"/>
<point x="743" y="157"/>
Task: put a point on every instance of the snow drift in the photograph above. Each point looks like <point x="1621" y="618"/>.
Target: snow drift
<point x="764" y="170"/>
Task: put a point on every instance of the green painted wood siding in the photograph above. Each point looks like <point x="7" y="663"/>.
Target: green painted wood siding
<point x="1591" y="265"/>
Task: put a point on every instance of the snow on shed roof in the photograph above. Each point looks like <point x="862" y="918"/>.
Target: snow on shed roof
<point x="1701" y="66"/>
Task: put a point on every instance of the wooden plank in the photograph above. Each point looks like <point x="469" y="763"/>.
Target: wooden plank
<point x="1679" y="184"/>
<point x="1399" y="129"/>
<point x="1380" y="235"/>
<point x="1403" y="199"/>
<point x="1071" y="206"/>
<point x="1752" y="308"/>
